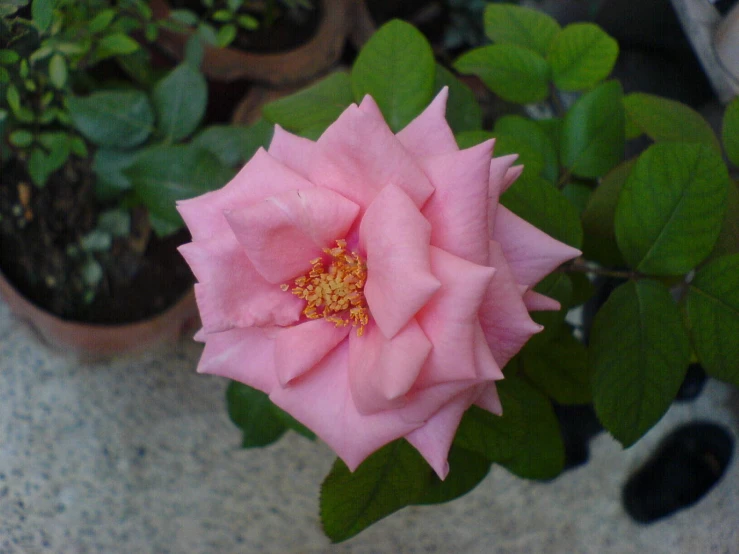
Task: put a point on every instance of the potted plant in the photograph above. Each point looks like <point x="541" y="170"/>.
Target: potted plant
<point x="95" y="141"/>
<point x="661" y="225"/>
<point x="275" y="42"/>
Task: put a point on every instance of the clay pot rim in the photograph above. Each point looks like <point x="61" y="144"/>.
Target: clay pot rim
<point x="95" y="341"/>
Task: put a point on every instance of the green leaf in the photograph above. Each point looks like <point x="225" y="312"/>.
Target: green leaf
<point x="560" y="369"/>
<point x="730" y="131"/>
<point x="117" y="119"/>
<point x="463" y="113"/>
<point x="9" y="57"/>
<point x="391" y="478"/>
<point x="251" y="411"/>
<point x="671" y="208"/>
<point x="42" y="12"/>
<point x="593" y="132"/>
<point x="48" y="158"/>
<point x="713" y="309"/>
<point x="526" y="27"/>
<point x="578" y="193"/>
<point x="466" y="471"/>
<point x="581" y="56"/>
<point x="117" y="44"/>
<point x="558" y="286"/>
<point x="108" y="165"/>
<point x="666" y="120"/>
<point x="162" y="175"/>
<point x="58" y="71"/>
<point x="226" y="35"/>
<point x="528" y="132"/>
<point x="728" y="237"/>
<point x="101" y="21"/>
<point x="179" y="101"/>
<point x="467" y="139"/>
<point x="541" y="204"/>
<point x="226" y="142"/>
<point x="21" y="138"/>
<point x="639" y="352"/>
<point x="525" y="439"/>
<point x="397" y="68"/>
<point x="599" y="242"/>
<point x="314" y="107"/>
<point x="514" y="73"/>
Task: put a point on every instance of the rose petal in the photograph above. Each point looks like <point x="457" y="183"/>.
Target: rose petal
<point x="450" y="318"/>
<point x="429" y="133"/>
<point x="503" y="315"/>
<point x="536" y="302"/>
<point x="293" y="151"/>
<point x="531" y="253"/>
<point x="282" y="233"/>
<point x="300" y="347"/>
<point x="458" y="210"/>
<point x="486" y="368"/>
<point x="510" y="177"/>
<point x="489" y="400"/>
<point x="382" y="370"/>
<point x="434" y="439"/>
<point x="231" y="293"/>
<point x="499" y="168"/>
<point x="245" y="355"/>
<point x="395" y="237"/>
<point x="322" y="400"/>
<point x="263" y="176"/>
<point x="358" y="155"/>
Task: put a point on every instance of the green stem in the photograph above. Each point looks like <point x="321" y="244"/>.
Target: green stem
<point x="580" y="266"/>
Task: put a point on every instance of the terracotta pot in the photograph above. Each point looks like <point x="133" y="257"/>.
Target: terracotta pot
<point x="95" y="342"/>
<point x="279" y="69"/>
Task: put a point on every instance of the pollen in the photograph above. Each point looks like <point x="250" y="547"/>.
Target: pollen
<point x="335" y="292"/>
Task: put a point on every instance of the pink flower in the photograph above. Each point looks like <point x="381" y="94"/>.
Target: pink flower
<point x="370" y="283"/>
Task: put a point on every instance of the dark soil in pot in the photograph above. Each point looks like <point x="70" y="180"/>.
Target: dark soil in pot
<point x="41" y="230"/>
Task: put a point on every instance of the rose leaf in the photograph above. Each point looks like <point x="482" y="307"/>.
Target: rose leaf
<point x="509" y="24"/>
<point x="251" y="411"/>
<point x="639" y="352"/>
<point x="463" y="113"/>
<point x="713" y="309"/>
<point x="390" y="479"/>
<point x="730" y="131"/>
<point x="397" y="68"/>
<point x="670" y="210"/>
<point x="315" y="107"/>
<point x="581" y="56"/>
<point x="179" y="101"/>
<point x="593" y="132"/>
<point x="466" y="471"/>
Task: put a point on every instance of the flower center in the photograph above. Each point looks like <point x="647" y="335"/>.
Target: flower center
<point x="336" y="292"/>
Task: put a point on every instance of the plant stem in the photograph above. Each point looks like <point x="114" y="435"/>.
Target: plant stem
<point x="581" y="266"/>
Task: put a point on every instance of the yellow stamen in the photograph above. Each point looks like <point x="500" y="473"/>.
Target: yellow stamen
<point x="335" y="293"/>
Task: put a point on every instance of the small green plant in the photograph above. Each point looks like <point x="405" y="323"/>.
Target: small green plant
<point x="218" y="22"/>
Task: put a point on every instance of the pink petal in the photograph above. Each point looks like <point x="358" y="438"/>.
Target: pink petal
<point x="499" y="168"/>
<point x="231" y="293"/>
<point x="503" y="315"/>
<point x="434" y="439"/>
<point x="301" y="347"/>
<point x="450" y="318"/>
<point x="486" y="368"/>
<point x="370" y="107"/>
<point x="531" y="253"/>
<point x="395" y="237"/>
<point x="282" y="233"/>
<point x="322" y="400"/>
<point x="510" y="177"/>
<point x="358" y="155"/>
<point x="458" y="210"/>
<point x="382" y="371"/>
<point x="536" y="302"/>
<point x="244" y="355"/>
<point x="293" y="151"/>
<point x="429" y="134"/>
<point x="263" y="176"/>
<point x="489" y="400"/>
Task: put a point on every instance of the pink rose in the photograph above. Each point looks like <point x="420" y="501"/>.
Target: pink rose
<point x="370" y="283"/>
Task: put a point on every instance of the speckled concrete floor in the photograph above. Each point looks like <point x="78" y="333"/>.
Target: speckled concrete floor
<point x="138" y="455"/>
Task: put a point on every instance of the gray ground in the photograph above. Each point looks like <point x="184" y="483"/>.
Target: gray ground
<point x="138" y="456"/>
